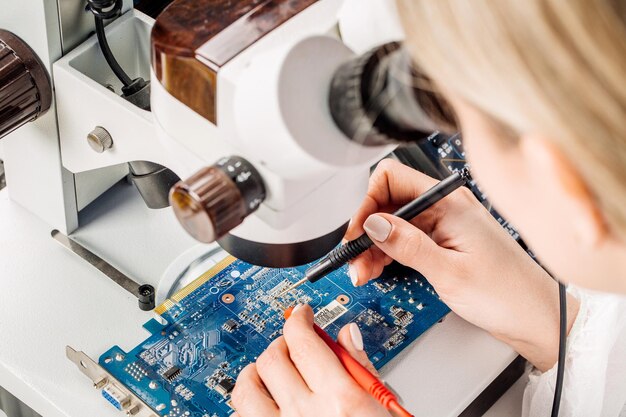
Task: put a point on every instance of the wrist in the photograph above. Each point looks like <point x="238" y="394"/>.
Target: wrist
<point x="536" y="336"/>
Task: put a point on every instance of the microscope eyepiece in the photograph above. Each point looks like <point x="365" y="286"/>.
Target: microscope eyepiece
<point x="381" y="98"/>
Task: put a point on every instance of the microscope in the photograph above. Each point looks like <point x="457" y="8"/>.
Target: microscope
<point x="254" y="123"/>
<point x="263" y="110"/>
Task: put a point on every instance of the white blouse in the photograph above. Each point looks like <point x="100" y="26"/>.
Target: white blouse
<point x="595" y="368"/>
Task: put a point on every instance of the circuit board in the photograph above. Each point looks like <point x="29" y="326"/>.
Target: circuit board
<point x="447" y="154"/>
<point x="226" y="318"/>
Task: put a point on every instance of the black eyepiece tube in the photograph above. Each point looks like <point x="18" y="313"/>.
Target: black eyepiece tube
<point x="381" y="97"/>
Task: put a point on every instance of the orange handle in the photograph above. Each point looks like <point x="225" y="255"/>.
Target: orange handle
<point x="361" y="375"/>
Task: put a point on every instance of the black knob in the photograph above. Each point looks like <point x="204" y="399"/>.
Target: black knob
<point x="145" y="297"/>
<point x="218" y="198"/>
<point x="25" y="89"/>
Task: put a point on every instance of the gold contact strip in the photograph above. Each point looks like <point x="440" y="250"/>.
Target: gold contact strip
<point x="180" y="295"/>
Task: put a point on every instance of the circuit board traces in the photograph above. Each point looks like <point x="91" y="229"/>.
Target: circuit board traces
<point x="225" y="320"/>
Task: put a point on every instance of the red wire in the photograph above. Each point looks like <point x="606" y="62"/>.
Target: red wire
<point x="361" y="375"/>
<point x="398" y="409"/>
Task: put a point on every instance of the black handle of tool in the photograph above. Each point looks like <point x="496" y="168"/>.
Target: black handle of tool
<point x="350" y="250"/>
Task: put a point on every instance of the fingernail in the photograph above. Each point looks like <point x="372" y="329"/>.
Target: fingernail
<point x="296" y="308"/>
<point x="377" y="227"/>
<point x="354" y="274"/>
<point x="356" y="336"/>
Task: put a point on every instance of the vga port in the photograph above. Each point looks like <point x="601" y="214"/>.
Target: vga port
<point x="117" y="398"/>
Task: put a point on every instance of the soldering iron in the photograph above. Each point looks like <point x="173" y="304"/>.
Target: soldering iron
<point x="350" y="250"/>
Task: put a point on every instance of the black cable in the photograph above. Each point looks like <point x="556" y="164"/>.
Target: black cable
<point x="102" y="10"/>
<point x="105" y="9"/>
<point x="108" y="55"/>
<point x="560" y="372"/>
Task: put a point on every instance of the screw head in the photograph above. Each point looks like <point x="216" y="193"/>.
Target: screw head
<point x="99" y="139"/>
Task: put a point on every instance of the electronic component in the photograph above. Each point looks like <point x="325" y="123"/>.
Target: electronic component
<point x="402" y="317"/>
<point x="184" y="392"/>
<point x="207" y="342"/>
<point x="115" y="396"/>
<point x="394" y="341"/>
<point x="225" y="387"/>
<point x="136" y="371"/>
<point x="230" y="325"/>
<point x="384" y="287"/>
<point x="172" y="373"/>
<point x="370" y="318"/>
<point x="438" y="139"/>
<point x="447" y="154"/>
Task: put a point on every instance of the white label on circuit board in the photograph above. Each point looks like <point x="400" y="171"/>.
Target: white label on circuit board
<point x="329" y="314"/>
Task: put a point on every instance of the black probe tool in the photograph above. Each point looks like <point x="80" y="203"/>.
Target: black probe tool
<point x="350" y="250"/>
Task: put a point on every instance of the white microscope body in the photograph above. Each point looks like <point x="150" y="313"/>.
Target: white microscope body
<point x="271" y="109"/>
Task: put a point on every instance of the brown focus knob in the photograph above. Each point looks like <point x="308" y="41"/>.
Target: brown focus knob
<point x="25" y="89"/>
<point x="218" y="198"/>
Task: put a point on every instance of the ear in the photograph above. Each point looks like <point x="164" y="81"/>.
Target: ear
<point x="563" y="185"/>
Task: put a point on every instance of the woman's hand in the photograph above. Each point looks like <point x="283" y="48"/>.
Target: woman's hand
<point x="474" y="265"/>
<point x="477" y="269"/>
<point x="298" y="375"/>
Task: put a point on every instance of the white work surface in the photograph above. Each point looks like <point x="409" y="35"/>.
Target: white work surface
<point x="49" y="298"/>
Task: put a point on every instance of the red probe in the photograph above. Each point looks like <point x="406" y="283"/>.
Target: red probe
<point x="361" y="375"/>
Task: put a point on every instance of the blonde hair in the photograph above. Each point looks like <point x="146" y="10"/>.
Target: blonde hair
<point x="555" y="67"/>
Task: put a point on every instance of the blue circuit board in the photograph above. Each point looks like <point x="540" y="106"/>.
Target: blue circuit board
<point x="225" y="319"/>
<point x="447" y="154"/>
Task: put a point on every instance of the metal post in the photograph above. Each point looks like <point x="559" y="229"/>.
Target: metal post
<point x="32" y="154"/>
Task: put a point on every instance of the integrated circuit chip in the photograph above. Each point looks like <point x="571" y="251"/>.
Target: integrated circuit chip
<point x="230" y="325"/>
<point x="225" y="387"/>
<point x="172" y="373"/>
<point x="402" y="317"/>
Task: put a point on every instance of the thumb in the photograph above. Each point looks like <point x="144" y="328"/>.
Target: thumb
<point x="350" y="339"/>
<point x="405" y="243"/>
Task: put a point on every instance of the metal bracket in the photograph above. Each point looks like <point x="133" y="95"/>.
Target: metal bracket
<point x="130" y="404"/>
<point x="145" y="293"/>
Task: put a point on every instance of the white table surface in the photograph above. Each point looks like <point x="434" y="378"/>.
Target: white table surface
<point x="49" y="298"/>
